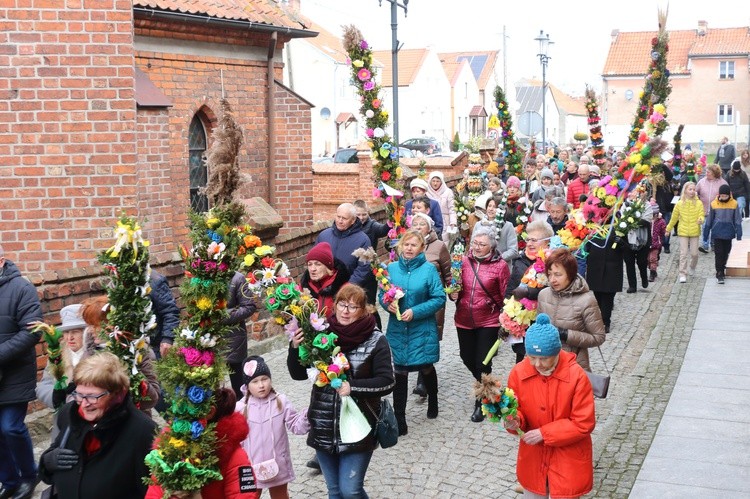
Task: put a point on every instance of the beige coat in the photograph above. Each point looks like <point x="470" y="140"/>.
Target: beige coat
<point x="437" y="254"/>
<point x="576" y="310"/>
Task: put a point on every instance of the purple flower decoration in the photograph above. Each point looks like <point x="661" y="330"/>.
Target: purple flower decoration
<point x="369" y="85"/>
<point x="291" y="328"/>
<point x="363" y="45"/>
<point x="318" y="323"/>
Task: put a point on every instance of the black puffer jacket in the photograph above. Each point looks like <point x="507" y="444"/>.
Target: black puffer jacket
<point x="19" y="305"/>
<point x="117" y="469"/>
<point x="240" y="306"/>
<point x="520" y="265"/>
<point x="370" y="376"/>
<point x="739" y="184"/>
<point x="165" y="309"/>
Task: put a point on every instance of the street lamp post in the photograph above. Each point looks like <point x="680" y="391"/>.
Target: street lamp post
<point x="544" y="43"/>
<point x="394" y="59"/>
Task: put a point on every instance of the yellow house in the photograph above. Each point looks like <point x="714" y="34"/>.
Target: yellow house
<point x="710" y="85"/>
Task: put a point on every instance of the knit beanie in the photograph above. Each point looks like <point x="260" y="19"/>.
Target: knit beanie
<point x="736" y="166"/>
<point x="482" y="200"/>
<point x="547" y="173"/>
<point x="513" y="182"/>
<point x="253" y="367"/>
<point x="418" y="182"/>
<point x="322" y="253"/>
<point x="724" y="189"/>
<point x="542" y="338"/>
<point x="425" y="217"/>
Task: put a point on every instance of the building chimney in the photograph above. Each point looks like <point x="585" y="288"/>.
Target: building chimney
<point x="702" y="28"/>
<point x="615" y="33"/>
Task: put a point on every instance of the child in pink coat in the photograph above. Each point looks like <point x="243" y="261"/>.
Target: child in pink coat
<point x="270" y="416"/>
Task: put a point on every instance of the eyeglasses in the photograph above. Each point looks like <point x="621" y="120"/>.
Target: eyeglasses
<point x="345" y="306"/>
<point x="479" y="245"/>
<point x="536" y="240"/>
<point x="91" y="399"/>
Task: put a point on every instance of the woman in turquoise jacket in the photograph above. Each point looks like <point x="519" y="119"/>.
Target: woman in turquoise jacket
<point x="414" y="338"/>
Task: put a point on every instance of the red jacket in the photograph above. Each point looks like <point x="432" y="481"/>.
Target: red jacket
<point x="562" y="406"/>
<point x="474" y="307"/>
<point x="575" y="189"/>
<point x="231" y="430"/>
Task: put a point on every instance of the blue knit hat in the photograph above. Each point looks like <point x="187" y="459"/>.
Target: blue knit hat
<point x="542" y="338"/>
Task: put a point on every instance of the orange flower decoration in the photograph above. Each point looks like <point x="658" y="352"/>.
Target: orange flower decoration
<point x="252" y="241"/>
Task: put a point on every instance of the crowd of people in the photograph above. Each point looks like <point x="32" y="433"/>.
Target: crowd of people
<point x="512" y="254"/>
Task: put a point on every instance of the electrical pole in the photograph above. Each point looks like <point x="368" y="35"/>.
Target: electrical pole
<point x="394" y="59"/>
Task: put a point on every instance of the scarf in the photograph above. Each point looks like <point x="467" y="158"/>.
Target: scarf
<point x="322" y="291"/>
<point x="354" y="334"/>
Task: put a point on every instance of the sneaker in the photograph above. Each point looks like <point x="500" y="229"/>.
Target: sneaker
<point x="666" y="250"/>
<point x="720" y="279"/>
<point x="702" y="249"/>
<point x="683" y="279"/>
<point x="518" y="489"/>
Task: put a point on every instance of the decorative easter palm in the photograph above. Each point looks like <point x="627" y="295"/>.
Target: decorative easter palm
<point x="513" y="157"/>
<point x="129" y="315"/>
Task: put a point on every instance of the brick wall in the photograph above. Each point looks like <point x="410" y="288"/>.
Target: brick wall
<point x="293" y="134"/>
<point x="155" y="187"/>
<point x="67" y="128"/>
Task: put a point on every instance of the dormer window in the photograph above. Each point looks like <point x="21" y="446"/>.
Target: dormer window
<point x="726" y="70"/>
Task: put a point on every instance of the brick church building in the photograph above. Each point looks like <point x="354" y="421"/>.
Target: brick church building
<point x="108" y="106"/>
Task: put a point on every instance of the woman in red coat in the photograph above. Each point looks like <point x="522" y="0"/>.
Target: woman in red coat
<point x="556" y="414"/>
<point x="231" y="429"/>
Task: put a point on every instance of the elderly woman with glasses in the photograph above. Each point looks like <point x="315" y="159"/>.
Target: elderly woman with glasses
<point x="484" y="278"/>
<point x="370" y="377"/>
<point x="412" y="329"/>
<point x="538" y="234"/>
<point x="103" y="437"/>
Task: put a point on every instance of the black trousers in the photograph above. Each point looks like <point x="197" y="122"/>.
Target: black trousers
<point x="722" y="247"/>
<point x="473" y="346"/>
<point x="632" y="257"/>
<point x="606" y="303"/>
<point x="236" y="377"/>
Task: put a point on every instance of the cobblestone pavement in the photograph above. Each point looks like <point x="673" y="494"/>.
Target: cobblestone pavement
<point x="453" y="457"/>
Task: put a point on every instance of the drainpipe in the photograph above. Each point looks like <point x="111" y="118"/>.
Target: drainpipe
<point x="271" y="108"/>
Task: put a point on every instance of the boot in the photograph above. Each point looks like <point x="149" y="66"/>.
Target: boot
<point x="400" y="394"/>
<point x="477" y="416"/>
<point x="431" y="385"/>
<point x="652" y="276"/>
<point x="420" y="388"/>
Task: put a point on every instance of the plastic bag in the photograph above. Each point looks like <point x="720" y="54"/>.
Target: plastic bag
<point x="353" y="425"/>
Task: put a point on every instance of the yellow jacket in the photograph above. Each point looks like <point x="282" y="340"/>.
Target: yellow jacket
<point x="690" y="216"/>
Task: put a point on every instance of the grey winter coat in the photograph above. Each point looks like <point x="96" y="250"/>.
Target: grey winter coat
<point x="19" y="306"/>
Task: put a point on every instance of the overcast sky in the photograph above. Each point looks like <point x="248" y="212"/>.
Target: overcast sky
<point x="580" y="29"/>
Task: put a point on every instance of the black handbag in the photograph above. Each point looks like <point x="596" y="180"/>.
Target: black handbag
<point x="386" y="427"/>
<point x="599" y="382"/>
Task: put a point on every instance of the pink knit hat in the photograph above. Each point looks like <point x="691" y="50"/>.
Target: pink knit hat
<point x="513" y="182"/>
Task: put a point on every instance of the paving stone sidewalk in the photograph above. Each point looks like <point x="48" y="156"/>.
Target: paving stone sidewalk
<point x="453" y="457"/>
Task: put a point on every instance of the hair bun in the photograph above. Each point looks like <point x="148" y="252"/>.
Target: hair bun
<point x="542" y="319"/>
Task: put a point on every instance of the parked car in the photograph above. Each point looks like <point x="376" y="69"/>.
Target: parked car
<point x="323" y="159"/>
<point x="349" y="155"/>
<point x="524" y="142"/>
<point x="425" y="145"/>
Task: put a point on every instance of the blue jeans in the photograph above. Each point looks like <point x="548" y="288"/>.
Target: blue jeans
<point x="741" y="203"/>
<point x="345" y="473"/>
<point x="16" y="451"/>
<point x="705" y="234"/>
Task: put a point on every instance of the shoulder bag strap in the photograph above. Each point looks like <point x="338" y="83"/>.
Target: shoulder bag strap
<point x="483" y="288"/>
<point x="603" y="361"/>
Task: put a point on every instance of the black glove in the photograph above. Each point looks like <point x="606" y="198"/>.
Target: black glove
<point x="60" y="459"/>
<point x="58" y="397"/>
<point x="563" y="334"/>
<point x="521" y="292"/>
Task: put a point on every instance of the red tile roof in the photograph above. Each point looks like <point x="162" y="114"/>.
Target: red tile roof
<point x="328" y="43"/>
<point x="258" y="11"/>
<point x="486" y="70"/>
<point x="452" y="70"/>
<point x="629" y="53"/>
<point x="477" y="112"/>
<point x="409" y="63"/>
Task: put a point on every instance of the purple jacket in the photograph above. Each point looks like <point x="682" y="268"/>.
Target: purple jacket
<point x="268" y="433"/>
<point x="474" y="307"/>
